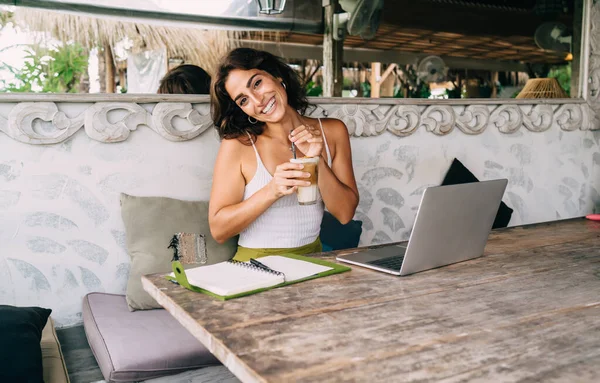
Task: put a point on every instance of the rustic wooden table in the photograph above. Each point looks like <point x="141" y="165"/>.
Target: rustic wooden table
<point x="529" y="310"/>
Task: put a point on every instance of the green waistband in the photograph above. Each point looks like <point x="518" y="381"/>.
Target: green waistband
<point x="244" y="254"/>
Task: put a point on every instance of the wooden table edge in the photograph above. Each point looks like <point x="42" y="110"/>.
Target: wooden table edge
<point x="237" y="366"/>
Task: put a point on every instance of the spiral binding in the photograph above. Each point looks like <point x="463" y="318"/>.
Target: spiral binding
<point x="256" y="268"/>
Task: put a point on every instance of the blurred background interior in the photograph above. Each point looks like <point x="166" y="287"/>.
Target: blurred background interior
<point x="394" y="49"/>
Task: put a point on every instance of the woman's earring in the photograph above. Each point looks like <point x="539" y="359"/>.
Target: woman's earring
<point x="283" y="85"/>
<point x="252" y="120"/>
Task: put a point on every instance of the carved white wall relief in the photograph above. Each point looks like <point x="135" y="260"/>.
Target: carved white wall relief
<point x="22" y="124"/>
<point x="358" y="118"/>
<point x="507" y="118"/>
<point x="473" y="119"/>
<point x="98" y="126"/>
<point x="162" y="121"/>
<point x="594" y="81"/>
<point x="540" y="118"/>
<point x="402" y="120"/>
<point x="571" y="118"/>
<point x="438" y="119"/>
<point x="113" y="121"/>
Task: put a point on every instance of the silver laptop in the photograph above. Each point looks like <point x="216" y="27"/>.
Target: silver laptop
<point x="452" y="225"/>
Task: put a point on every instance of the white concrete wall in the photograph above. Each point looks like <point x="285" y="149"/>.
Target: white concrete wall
<point x="61" y="233"/>
<point x="551" y="174"/>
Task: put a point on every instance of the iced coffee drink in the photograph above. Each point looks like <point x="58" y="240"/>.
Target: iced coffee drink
<point x="307" y="195"/>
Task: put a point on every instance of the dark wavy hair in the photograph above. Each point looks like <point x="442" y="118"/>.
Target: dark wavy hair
<point x="185" y="79"/>
<point x="228" y="117"/>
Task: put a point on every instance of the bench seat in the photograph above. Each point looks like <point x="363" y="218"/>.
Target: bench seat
<point x="139" y="345"/>
<point x="55" y="370"/>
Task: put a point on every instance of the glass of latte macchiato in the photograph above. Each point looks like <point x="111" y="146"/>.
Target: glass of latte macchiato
<point x="307" y="195"/>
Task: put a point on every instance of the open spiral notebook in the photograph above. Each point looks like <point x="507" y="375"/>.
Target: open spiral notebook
<point x="232" y="279"/>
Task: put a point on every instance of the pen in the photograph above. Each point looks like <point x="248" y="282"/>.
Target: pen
<point x="259" y="264"/>
<point x="265" y="267"/>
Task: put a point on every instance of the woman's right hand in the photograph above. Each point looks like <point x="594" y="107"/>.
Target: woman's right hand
<point x="287" y="178"/>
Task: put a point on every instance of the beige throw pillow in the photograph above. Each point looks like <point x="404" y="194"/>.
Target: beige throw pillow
<point x="150" y="223"/>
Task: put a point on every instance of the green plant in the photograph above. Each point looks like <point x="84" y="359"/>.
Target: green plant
<point x="398" y="91"/>
<point x="454" y="93"/>
<point x="421" y="90"/>
<point x="49" y="70"/>
<point x="313" y="89"/>
<point x="366" y="88"/>
<point x="562" y="74"/>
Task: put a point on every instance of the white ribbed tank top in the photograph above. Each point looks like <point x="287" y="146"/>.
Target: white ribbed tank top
<point x="285" y="224"/>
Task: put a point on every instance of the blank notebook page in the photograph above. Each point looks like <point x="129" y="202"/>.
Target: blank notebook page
<point x="226" y="278"/>
<point x="293" y="269"/>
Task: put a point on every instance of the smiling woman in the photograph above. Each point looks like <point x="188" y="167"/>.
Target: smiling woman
<point x="258" y="108"/>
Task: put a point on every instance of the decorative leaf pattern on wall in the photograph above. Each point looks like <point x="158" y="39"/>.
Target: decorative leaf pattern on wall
<point x="90" y="280"/>
<point x="31" y="273"/>
<point x="390" y="197"/>
<point x="9" y="198"/>
<point x="392" y="220"/>
<point x="44" y="245"/>
<point x="70" y="281"/>
<point x="49" y="220"/>
<point x="89" y="251"/>
<point x="371" y="177"/>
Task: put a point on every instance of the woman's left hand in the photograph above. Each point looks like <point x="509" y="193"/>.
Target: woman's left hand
<point x="308" y="140"/>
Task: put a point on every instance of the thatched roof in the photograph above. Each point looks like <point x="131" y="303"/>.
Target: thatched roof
<point x="194" y="46"/>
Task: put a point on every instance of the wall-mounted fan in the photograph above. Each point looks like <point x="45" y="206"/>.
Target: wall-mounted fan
<point x="553" y="37"/>
<point x="432" y="69"/>
<point x="361" y="18"/>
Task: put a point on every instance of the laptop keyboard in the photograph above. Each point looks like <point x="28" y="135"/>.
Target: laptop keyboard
<point x="393" y="262"/>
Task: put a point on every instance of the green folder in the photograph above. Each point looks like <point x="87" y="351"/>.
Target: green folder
<point x="181" y="278"/>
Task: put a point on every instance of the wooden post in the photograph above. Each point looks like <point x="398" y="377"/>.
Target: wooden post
<point x="386" y="82"/>
<point x="109" y="63"/>
<point x="101" y="69"/>
<point x="333" y="52"/>
<point x="494" y="86"/>
<point x="375" y="76"/>
<point x="123" y="79"/>
<point x="576" y="81"/>
<point x="387" y="72"/>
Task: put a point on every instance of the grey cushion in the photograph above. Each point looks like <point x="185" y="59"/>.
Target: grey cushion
<point x="150" y="223"/>
<point x="131" y="346"/>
